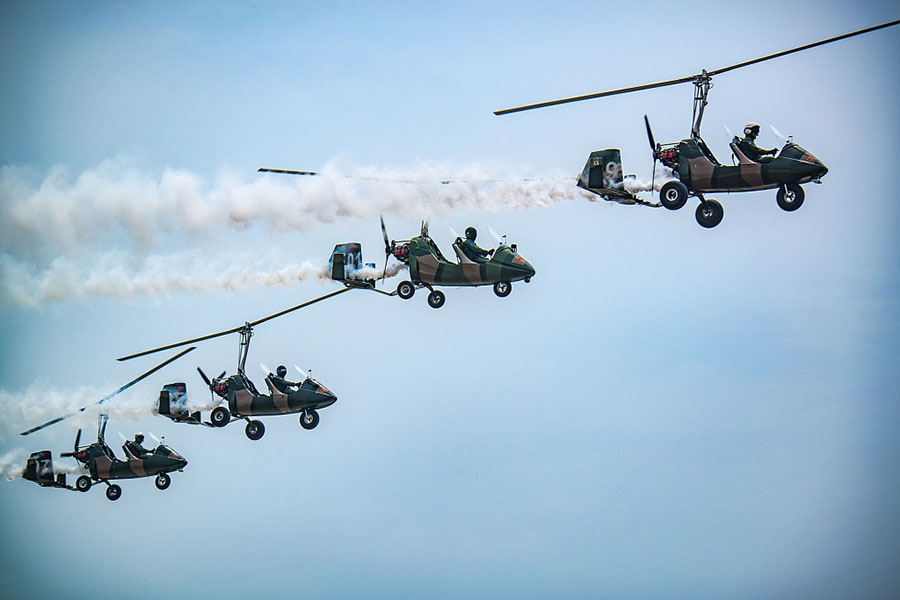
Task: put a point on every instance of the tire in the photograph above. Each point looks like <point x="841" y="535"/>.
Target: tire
<point x="406" y="290"/>
<point x="113" y="492"/>
<point x="309" y="418"/>
<point x="673" y="195"/>
<point x="502" y="288"/>
<point x="83" y="483"/>
<point x="436" y="299"/>
<point x="709" y="213"/>
<point x="162" y="481"/>
<point x="790" y="197"/>
<point x="220" y="416"/>
<point x="255" y="430"/>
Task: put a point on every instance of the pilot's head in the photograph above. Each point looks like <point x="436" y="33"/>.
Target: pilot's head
<point x="139" y="437"/>
<point x="751" y="130"/>
<point x="281" y="371"/>
<point x="471" y="233"/>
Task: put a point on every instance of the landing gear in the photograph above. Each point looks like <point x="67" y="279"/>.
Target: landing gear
<point x="163" y="481"/>
<point x="673" y="195"/>
<point x="220" y="416"/>
<point x="406" y="290"/>
<point x="309" y="418"/>
<point x="83" y="483"/>
<point x="113" y="492"/>
<point x="502" y="288"/>
<point x="790" y="197"/>
<point x="709" y="213"/>
<point x="255" y="430"/>
<point x="436" y="299"/>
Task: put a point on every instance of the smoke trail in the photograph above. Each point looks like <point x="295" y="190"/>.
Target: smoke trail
<point x="40" y="402"/>
<point x="662" y="176"/>
<point x="118" y="274"/>
<point x="116" y="201"/>
<point x="12" y="464"/>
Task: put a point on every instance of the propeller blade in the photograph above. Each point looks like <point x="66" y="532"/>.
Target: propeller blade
<point x="205" y="378"/>
<point x="302" y="373"/>
<point x="77" y="440"/>
<point x="691" y="78"/>
<point x="384" y="270"/>
<point x="387" y="244"/>
<point x="650" y="136"/>
<point x="425" y="228"/>
<point x="221" y="375"/>
<point x="110" y="396"/>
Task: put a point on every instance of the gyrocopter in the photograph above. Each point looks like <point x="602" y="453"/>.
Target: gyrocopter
<point x="236" y="398"/>
<point x="696" y="171"/>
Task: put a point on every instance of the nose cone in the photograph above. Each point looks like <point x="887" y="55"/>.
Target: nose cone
<point x="523" y="268"/>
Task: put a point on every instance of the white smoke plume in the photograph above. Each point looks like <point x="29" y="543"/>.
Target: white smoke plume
<point x="40" y="402"/>
<point x="12" y="464"/>
<point x="165" y="229"/>
<point x="663" y="175"/>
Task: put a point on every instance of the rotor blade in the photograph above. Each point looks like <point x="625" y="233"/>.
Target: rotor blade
<point x="115" y="393"/>
<point x="805" y="47"/>
<point x="177" y="344"/>
<point x="233" y="329"/>
<point x="299" y="306"/>
<point x="637" y="88"/>
<point x="689" y="78"/>
<point x="286" y="171"/>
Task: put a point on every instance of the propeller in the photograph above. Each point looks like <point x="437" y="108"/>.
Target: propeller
<point x="425" y="228"/>
<point x="110" y="396"/>
<point x="387" y="249"/>
<point x="75" y="447"/>
<point x="654" y="147"/>
<point x="205" y="378"/>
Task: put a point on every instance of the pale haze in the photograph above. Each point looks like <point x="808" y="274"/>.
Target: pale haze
<point x="664" y="411"/>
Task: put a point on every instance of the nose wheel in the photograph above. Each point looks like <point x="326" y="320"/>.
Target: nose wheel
<point x="709" y="213"/>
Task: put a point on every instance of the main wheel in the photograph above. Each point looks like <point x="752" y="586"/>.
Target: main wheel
<point x="220" y="416"/>
<point x="113" y="492"/>
<point x="163" y="480"/>
<point x="436" y="299"/>
<point x="790" y="197"/>
<point x="673" y="195"/>
<point x="502" y="288"/>
<point x="709" y="213"/>
<point x="406" y="290"/>
<point x="83" y="483"/>
<point x="255" y="430"/>
<point x="309" y="418"/>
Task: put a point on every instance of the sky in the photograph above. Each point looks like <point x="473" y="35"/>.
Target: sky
<point x="664" y="411"/>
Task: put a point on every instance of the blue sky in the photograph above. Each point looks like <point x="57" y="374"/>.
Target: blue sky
<point x="664" y="411"/>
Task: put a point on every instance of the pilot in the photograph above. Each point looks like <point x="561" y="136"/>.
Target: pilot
<point x="748" y="146"/>
<point x="136" y="447"/>
<point x="280" y="383"/>
<point x="471" y="249"/>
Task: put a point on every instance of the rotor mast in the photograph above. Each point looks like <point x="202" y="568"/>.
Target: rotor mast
<point x="702" y="84"/>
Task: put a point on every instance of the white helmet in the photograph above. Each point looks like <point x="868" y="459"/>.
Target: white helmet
<point x="750" y="127"/>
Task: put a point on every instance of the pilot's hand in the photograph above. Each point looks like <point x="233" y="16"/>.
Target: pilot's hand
<point x="491" y="252"/>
